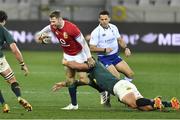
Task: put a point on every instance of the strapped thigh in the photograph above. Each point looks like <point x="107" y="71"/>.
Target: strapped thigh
<point x="9" y="76"/>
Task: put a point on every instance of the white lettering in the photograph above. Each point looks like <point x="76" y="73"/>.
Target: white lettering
<point x="62" y="41"/>
<point x="164" y="40"/>
<point x="168" y="39"/>
<point x="176" y="39"/>
<point x="29" y="37"/>
<point x="20" y="36"/>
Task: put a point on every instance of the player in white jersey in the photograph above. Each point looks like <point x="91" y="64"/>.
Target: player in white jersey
<point x="105" y="41"/>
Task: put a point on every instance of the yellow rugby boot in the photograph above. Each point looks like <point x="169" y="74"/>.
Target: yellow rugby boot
<point x="158" y="103"/>
<point x="175" y="103"/>
<point x="25" y="104"/>
<point x="6" y="108"/>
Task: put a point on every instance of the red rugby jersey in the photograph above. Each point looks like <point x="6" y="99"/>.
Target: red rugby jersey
<point x="67" y="38"/>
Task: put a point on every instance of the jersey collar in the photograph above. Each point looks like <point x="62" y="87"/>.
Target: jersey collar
<point x="105" y="28"/>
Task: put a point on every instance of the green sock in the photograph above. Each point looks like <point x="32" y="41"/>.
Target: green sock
<point x="16" y="89"/>
<point x="95" y="86"/>
<point x="1" y="98"/>
<point x="166" y="104"/>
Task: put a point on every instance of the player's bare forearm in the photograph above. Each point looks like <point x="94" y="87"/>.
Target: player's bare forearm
<point x="19" y="58"/>
<point x="94" y="48"/>
<point x="83" y="67"/>
<point x="122" y="43"/>
<point x="16" y="52"/>
<point x="124" y="46"/>
<point x="59" y="85"/>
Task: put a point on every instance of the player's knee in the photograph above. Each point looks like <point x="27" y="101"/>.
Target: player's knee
<point x="130" y="74"/>
<point x="70" y="81"/>
<point x="133" y="105"/>
<point x="11" y="80"/>
<point x="84" y="80"/>
<point x="130" y="101"/>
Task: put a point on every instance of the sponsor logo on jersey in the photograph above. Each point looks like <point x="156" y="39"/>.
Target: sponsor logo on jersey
<point x="129" y="88"/>
<point x="104" y="35"/>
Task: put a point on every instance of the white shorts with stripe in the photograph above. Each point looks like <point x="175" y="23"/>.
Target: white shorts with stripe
<point x="3" y="64"/>
<point x="80" y="57"/>
<point x="124" y="87"/>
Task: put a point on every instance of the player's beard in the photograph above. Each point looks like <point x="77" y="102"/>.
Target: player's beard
<point x="57" y="26"/>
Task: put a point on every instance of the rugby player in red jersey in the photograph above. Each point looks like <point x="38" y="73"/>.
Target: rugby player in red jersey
<point x="73" y="44"/>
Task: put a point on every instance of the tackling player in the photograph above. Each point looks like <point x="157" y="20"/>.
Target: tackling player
<point x="5" y="69"/>
<point x="126" y="91"/>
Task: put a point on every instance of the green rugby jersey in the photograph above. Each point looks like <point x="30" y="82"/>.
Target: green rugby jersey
<point x="103" y="78"/>
<point x="5" y="36"/>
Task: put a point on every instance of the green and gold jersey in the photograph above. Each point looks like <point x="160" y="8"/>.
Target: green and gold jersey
<point x="102" y="77"/>
<point x="5" y="36"/>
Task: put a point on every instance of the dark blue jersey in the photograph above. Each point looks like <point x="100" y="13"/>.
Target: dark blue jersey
<point x="102" y="77"/>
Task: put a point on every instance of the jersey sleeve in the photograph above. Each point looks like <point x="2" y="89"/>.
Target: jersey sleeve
<point x="8" y="37"/>
<point x="46" y="29"/>
<point x="84" y="45"/>
<point x="75" y="32"/>
<point x="94" y="38"/>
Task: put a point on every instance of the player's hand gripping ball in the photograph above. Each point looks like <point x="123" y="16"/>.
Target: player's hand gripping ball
<point x="45" y="38"/>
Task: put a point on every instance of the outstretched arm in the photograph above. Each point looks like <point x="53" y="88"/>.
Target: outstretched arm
<point x="59" y="85"/>
<point x="74" y="65"/>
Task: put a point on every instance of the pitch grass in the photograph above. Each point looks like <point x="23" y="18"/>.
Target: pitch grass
<point x="155" y="74"/>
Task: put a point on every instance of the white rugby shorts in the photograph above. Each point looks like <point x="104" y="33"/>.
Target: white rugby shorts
<point x="80" y="57"/>
<point x="124" y="87"/>
<point x="3" y="64"/>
